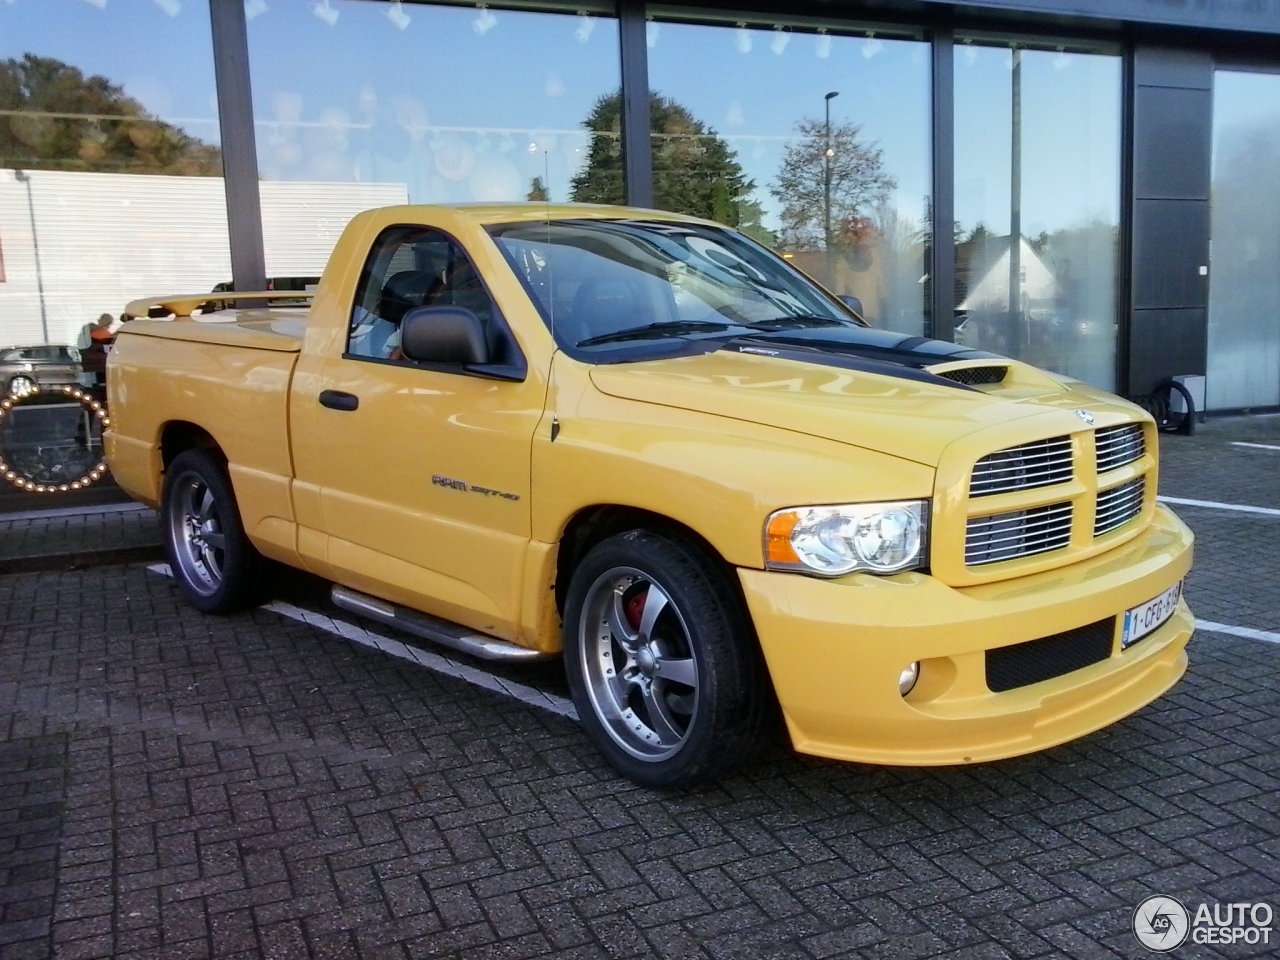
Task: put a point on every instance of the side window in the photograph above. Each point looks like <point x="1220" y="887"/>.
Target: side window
<point x="410" y="267"/>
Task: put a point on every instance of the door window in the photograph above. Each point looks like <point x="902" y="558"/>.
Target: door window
<point x="412" y="267"/>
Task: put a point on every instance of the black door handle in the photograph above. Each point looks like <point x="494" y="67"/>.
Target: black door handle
<point x="338" y="400"/>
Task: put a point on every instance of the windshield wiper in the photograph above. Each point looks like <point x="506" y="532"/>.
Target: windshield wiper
<point x="675" y="328"/>
<point x="798" y="320"/>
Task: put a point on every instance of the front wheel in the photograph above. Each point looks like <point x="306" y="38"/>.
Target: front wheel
<point x="661" y="661"/>
<point x="213" y="561"/>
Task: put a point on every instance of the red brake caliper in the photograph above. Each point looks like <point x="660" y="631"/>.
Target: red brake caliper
<point x="634" y="608"/>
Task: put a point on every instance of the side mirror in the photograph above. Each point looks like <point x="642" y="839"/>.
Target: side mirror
<point x="854" y="304"/>
<point x="443" y="335"/>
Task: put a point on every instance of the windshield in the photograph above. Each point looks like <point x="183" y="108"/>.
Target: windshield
<point x="617" y="283"/>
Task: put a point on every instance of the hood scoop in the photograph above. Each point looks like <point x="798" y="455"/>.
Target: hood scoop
<point x="978" y="376"/>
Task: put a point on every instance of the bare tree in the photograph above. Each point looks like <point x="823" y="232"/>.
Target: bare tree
<point x="855" y="168"/>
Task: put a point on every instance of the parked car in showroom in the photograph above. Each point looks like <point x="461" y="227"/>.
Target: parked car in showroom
<point x="24" y="369"/>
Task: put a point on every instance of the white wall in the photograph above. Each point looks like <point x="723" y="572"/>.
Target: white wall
<point x="105" y="239"/>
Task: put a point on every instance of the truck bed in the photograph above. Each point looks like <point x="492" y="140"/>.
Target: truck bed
<point x="278" y="328"/>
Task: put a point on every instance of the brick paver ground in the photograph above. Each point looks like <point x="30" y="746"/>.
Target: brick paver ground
<point x="174" y="785"/>
<point x="49" y="539"/>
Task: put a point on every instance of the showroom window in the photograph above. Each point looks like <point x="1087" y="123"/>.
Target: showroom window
<point x="110" y="189"/>
<point x="1037" y="204"/>
<point x="813" y="139"/>
<point x="359" y="105"/>
<point x="110" y="169"/>
<point x="1244" y="275"/>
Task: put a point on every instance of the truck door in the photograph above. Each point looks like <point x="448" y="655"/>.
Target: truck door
<point x="422" y="474"/>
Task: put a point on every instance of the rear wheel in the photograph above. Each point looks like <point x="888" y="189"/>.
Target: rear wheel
<point x="661" y="661"/>
<point x="213" y="561"/>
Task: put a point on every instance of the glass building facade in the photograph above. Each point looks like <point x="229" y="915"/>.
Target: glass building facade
<point x="1043" y="187"/>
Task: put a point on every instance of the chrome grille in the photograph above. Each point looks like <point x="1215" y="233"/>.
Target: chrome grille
<point x="1021" y="533"/>
<point x="1119" y="445"/>
<point x="1039" y="464"/>
<point x="1118" y="506"/>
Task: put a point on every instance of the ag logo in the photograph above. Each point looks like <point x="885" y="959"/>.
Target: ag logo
<point x="1085" y="415"/>
<point x="1161" y="923"/>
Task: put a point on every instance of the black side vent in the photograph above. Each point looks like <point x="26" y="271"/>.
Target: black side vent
<point x="975" y="376"/>
<point x="1026" y="663"/>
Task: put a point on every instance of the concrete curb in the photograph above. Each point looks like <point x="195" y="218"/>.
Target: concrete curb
<point x="81" y="559"/>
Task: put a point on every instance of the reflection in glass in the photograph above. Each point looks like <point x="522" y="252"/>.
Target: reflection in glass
<point x="110" y="168"/>
<point x="1244" y="279"/>
<point x="1038" y="158"/>
<point x="361" y="104"/>
<point x="815" y="144"/>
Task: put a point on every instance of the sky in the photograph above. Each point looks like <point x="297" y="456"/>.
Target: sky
<point x="461" y="103"/>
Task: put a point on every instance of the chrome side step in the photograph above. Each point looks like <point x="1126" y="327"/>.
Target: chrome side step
<point x="447" y="634"/>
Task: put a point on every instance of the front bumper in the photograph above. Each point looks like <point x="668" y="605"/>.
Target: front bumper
<point x="835" y="650"/>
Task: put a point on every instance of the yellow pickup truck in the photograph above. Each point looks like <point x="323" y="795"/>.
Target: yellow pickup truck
<point x="644" y="442"/>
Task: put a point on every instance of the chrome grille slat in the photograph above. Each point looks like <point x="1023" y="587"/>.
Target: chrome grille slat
<point x="1021" y="533"/>
<point x="1118" y="506"/>
<point x="1045" y="463"/>
<point x="1118" y="446"/>
<point x="1039" y="464"/>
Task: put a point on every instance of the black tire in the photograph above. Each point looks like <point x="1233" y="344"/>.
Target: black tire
<point x="675" y="697"/>
<point x="212" y="560"/>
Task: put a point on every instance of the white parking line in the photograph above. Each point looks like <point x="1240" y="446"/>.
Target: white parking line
<point x="1246" y="632"/>
<point x="432" y="661"/>
<point x="1258" y="446"/>
<point x="1215" y="505"/>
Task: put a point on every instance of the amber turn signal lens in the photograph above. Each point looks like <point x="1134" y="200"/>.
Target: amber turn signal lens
<point x="778" y="538"/>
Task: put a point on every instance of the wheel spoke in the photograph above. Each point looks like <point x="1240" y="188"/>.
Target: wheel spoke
<point x="216" y="540"/>
<point x="677" y="669"/>
<point x="618" y="624"/>
<point x="660" y="719"/>
<point x="207" y="506"/>
<point x="213" y="563"/>
<point x="655" y="602"/>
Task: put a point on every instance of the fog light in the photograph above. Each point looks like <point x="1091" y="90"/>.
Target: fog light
<point x="907" y="679"/>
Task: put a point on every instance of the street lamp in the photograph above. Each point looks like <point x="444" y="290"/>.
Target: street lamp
<point x="826" y="180"/>
<point x="23" y="177"/>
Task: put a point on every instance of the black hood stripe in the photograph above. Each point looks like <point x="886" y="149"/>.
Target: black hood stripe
<point x="843" y="359"/>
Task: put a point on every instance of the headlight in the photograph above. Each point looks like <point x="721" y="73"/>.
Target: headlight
<point x="833" y="541"/>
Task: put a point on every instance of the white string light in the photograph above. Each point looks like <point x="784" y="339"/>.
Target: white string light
<point x="781" y="37"/>
<point x="255" y="8"/>
<point x="325" y="12"/>
<point x="397" y="16"/>
<point x="484" y="21"/>
<point x="822" y="48"/>
<point x="743" y="39"/>
<point x="94" y="473"/>
<point x="586" y="27"/>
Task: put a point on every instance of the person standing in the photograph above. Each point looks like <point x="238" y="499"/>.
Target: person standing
<point x="95" y="341"/>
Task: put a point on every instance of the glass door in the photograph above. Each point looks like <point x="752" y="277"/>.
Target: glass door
<point x="1244" y="277"/>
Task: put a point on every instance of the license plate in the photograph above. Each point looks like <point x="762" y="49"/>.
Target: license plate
<point x="1145" y="617"/>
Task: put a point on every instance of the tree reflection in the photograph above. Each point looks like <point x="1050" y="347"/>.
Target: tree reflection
<point x="59" y="119"/>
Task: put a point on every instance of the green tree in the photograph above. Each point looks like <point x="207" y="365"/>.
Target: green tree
<point x="694" y="169"/>
<point x="858" y="183"/>
<point x="56" y="118"/>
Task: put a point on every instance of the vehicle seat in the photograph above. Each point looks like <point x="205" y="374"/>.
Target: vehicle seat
<point x="603" y="305"/>
<point x="403" y="292"/>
